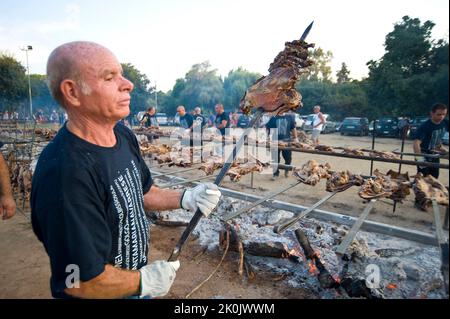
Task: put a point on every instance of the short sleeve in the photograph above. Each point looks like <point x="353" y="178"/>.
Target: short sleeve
<point x="421" y="132"/>
<point x="71" y="222"/>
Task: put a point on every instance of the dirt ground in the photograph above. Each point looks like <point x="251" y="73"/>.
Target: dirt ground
<point x="25" y="271"/>
<point x="25" y="268"/>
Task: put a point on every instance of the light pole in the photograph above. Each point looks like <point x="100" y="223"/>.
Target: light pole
<point x="26" y="49"/>
<point x="156" y="97"/>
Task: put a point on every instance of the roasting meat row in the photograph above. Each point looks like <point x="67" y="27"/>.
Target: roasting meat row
<point x="427" y="188"/>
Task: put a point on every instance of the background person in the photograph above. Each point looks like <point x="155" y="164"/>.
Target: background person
<point x="317" y="124"/>
<point x="428" y="138"/>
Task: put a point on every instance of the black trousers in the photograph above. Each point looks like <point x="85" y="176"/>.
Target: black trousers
<point x="287" y="155"/>
<point x="433" y="171"/>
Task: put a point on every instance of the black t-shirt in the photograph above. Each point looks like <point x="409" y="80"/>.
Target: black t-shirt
<point x="150" y="120"/>
<point x="218" y="121"/>
<point x="87" y="205"/>
<point x="200" y="119"/>
<point x="186" y="121"/>
<point x="1" y="144"/>
<point x="431" y="134"/>
<point x="284" y="123"/>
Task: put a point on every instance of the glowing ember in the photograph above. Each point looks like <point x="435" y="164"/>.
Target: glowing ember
<point x="312" y="268"/>
<point x="391" y="286"/>
<point x="336" y="278"/>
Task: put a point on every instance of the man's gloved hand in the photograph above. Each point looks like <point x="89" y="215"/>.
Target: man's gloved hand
<point x="296" y="140"/>
<point x="158" y="277"/>
<point x="204" y="196"/>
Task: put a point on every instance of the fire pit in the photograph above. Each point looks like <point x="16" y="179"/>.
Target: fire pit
<point x="374" y="266"/>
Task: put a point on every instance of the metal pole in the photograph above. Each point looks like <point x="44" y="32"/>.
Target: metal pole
<point x="373" y="144"/>
<point x="29" y="83"/>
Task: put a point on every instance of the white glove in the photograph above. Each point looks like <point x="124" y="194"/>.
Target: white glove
<point x="296" y="140"/>
<point x="204" y="196"/>
<point x="158" y="277"/>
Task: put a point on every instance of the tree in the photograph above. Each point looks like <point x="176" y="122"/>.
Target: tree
<point x="201" y="86"/>
<point x="13" y="82"/>
<point x="141" y="96"/>
<point x="321" y="69"/>
<point x="343" y="74"/>
<point x="235" y="85"/>
<point x="413" y="72"/>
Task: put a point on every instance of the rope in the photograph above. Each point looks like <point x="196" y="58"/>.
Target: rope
<point x="215" y="270"/>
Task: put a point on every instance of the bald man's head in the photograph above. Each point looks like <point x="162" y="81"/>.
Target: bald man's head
<point x="67" y="62"/>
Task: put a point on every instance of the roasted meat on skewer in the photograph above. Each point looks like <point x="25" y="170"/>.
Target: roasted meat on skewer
<point x="311" y="172"/>
<point x="236" y="172"/>
<point x="324" y="148"/>
<point x="382" y="154"/>
<point x="352" y="151"/>
<point x="392" y="185"/>
<point x="427" y="188"/>
<point x="340" y="180"/>
<point x="276" y="92"/>
<point x="148" y="148"/>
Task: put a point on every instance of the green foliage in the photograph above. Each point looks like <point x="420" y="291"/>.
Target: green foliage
<point x="412" y="74"/>
<point x="141" y="96"/>
<point x="320" y="70"/>
<point x="343" y="74"/>
<point x="13" y="82"/>
<point x="235" y="85"/>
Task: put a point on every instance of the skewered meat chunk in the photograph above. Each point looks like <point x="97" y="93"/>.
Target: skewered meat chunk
<point x="211" y="164"/>
<point x="311" y="172"/>
<point x="324" y="148"/>
<point x="163" y="158"/>
<point x="352" y="151"/>
<point x="427" y="188"/>
<point x="276" y="92"/>
<point x="382" y="154"/>
<point x="339" y="180"/>
<point x="392" y="185"/>
<point x="148" y="148"/>
<point x="240" y="170"/>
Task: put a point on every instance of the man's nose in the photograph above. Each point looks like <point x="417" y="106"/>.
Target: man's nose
<point x="126" y="85"/>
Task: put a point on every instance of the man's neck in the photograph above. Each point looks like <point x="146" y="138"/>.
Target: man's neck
<point x="434" y="122"/>
<point x="101" y="134"/>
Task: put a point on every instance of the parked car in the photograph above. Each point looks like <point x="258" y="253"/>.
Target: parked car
<point x="415" y="123"/>
<point x="299" y="121"/>
<point x="445" y="138"/>
<point x="355" y="126"/>
<point x="243" y="120"/>
<point x="162" y="119"/>
<point x="387" y="126"/>
<point x="328" y="127"/>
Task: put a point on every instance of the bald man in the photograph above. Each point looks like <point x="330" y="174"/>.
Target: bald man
<point x="91" y="187"/>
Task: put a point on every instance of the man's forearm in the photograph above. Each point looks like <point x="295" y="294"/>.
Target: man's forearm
<point x="111" y="283"/>
<point x="161" y="199"/>
<point x="416" y="147"/>
<point x="5" y="185"/>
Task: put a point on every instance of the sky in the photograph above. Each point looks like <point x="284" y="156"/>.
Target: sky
<point x="163" y="39"/>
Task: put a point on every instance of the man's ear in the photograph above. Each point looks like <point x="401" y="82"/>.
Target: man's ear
<point x="71" y="92"/>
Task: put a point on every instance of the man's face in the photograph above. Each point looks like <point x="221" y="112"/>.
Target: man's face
<point x="181" y="112"/>
<point x="152" y="112"/>
<point x="316" y="110"/>
<point x="438" y="116"/>
<point x="109" y="96"/>
<point x="218" y="109"/>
